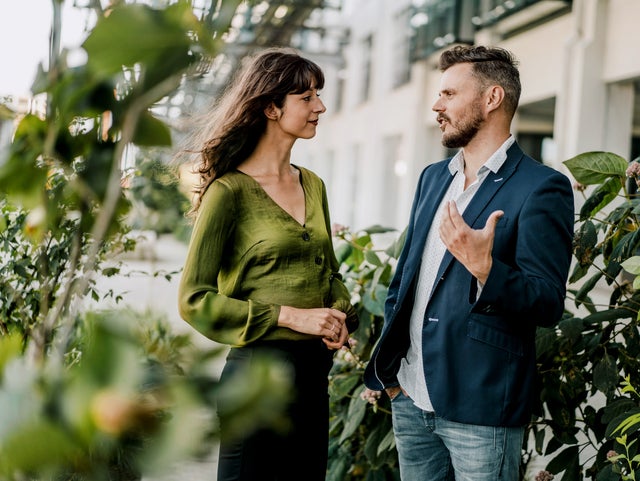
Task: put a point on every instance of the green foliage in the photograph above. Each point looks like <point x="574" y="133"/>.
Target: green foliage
<point x="627" y="464"/>
<point x="582" y="360"/>
<point x="158" y="204"/>
<point x="38" y="265"/>
<point x="137" y="399"/>
<point x="81" y="395"/>
<point x="362" y="446"/>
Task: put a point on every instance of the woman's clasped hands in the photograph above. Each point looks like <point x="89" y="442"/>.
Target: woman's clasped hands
<point x="323" y="322"/>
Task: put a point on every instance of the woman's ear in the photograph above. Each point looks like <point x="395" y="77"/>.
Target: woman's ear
<point x="271" y="112"/>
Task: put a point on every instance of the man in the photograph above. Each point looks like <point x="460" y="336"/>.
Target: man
<point x="485" y="261"/>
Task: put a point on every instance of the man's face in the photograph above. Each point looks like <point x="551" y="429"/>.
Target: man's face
<point x="459" y="106"/>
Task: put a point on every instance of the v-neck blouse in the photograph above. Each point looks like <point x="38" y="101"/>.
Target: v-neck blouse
<point x="248" y="256"/>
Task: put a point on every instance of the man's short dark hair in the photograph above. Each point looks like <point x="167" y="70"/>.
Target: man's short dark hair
<point x="491" y="65"/>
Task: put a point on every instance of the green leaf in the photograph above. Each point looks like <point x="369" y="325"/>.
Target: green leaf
<point x="596" y="167"/>
<point x="579" y="271"/>
<point x="378" y="229"/>
<point x="151" y="131"/>
<point x="372" y="258"/>
<point x="582" y="296"/>
<point x="607" y="474"/>
<point x="388" y="442"/>
<point x="571" y="328"/>
<point x="545" y="341"/>
<point x="343" y="251"/>
<point x="624" y="249"/>
<point x="342" y="384"/>
<point x="372" y="443"/>
<point x="564" y="460"/>
<point x="584" y="242"/>
<point x="632" y="265"/>
<point x="21" y="176"/>
<point x="601" y="197"/>
<point x="605" y="374"/>
<point x="374" y="299"/>
<point x="357" y="410"/>
<point x="338" y="469"/>
<point x="539" y="440"/>
<point x="630" y="422"/>
<point x="395" y="249"/>
<point x="608" y="315"/>
<point x="37" y="445"/>
<point x="135" y="34"/>
<point x="10" y="347"/>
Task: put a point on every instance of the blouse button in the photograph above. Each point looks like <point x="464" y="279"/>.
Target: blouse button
<point x="318" y="260"/>
<point x="305" y="236"/>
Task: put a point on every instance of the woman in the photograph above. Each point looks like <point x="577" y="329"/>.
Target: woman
<point x="260" y="273"/>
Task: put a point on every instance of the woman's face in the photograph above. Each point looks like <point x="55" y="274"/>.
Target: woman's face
<point x="299" y="114"/>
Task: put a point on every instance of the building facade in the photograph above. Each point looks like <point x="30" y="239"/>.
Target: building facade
<point x="580" y="74"/>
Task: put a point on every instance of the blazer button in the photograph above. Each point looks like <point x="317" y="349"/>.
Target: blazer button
<point x="305" y="236"/>
<point x="318" y="260"/>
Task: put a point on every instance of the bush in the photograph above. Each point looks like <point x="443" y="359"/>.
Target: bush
<point x="362" y="445"/>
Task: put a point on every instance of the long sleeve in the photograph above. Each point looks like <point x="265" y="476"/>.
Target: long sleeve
<point x="221" y="318"/>
<point x="535" y="289"/>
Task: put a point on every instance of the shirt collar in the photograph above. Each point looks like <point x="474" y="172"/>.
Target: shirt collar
<point x="493" y="163"/>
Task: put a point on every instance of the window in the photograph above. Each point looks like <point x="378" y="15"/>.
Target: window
<point x="367" y="55"/>
<point x="401" y="49"/>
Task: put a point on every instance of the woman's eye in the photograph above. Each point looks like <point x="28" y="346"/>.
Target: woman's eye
<point x="306" y="99"/>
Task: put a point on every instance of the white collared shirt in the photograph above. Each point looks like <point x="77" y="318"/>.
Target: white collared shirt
<point x="411" y="373"/>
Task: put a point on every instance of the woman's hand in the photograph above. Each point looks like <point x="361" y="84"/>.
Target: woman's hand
<point x="322" y="322"/>
<point x="342" y="339"/>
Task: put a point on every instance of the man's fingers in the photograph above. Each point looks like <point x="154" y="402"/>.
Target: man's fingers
<point x="454" y="216"/>
<point x="493" y="219"/>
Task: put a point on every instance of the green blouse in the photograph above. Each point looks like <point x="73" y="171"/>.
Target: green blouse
<point x="247" y="257"/>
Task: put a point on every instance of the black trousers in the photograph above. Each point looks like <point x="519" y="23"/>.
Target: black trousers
<point x="301" y="451"/>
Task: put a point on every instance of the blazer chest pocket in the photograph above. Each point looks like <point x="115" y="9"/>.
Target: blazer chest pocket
<point x="483" y="328"/>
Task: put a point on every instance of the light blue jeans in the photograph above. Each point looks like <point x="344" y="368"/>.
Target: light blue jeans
<point x="434" y="449"/>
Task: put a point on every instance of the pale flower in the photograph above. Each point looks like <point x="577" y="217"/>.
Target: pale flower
<point x="544" y="476"/>
<point x="633" y="170"/>
<point x="370" y="396"/>
<point x="337" y="229"/>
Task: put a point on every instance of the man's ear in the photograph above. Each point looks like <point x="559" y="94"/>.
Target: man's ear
<point x="271" y="112"/>
<point x="495" y="97"/>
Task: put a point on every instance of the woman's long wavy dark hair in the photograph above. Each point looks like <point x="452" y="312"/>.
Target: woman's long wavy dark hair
<point x="231" y="133"/>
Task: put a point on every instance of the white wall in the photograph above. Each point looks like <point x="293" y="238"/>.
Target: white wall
<point x="584" y="60"/>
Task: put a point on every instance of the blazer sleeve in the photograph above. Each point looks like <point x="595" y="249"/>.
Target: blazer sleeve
<point x="221" y="318"/>
<point x="533" y="287"/>
<point x="396" y="280"/>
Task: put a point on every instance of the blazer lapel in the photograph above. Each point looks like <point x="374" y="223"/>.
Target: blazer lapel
<point x="492" y="184"/>
<point x="432" y="193"/>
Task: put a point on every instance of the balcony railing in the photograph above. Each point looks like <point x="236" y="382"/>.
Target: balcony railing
<point x="438" y="23"/>
<point x="490" y="12"/>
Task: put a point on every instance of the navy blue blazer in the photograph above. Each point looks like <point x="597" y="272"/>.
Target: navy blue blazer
<point x="479" y="354"/>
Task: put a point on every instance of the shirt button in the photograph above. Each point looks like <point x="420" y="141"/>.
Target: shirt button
<point x="305" y="236"/>
<point x="318" y="260"/>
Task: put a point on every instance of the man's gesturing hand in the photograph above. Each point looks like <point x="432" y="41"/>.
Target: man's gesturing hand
<point x="472" y="247"/>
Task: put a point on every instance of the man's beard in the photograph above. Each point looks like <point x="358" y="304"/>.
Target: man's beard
<point x="466" y="130"/>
